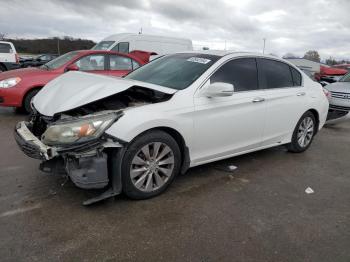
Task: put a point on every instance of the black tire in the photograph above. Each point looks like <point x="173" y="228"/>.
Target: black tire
<point x="134" y="148"/>
<point x="2" y="68"/>
<point x="294" y="146"/>
<point x="28" y="98"/>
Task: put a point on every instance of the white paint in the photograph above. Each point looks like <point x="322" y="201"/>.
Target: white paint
<point x="19" y="210"/>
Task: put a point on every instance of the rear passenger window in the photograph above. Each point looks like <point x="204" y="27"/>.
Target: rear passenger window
<point x="5" y="48"/>
<point x="296" y="77"/>
<point x="242" y="73"/>
<point x="120" y="63"/>
<point x="274" y="74"/>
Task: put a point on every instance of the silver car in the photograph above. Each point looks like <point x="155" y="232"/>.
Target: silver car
<point x="339" y="97"/>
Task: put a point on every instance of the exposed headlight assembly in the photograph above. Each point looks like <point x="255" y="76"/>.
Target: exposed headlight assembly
<point x="80" y="130"/>
<point x="10" y="82"/>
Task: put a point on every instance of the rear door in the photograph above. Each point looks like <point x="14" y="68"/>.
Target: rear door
<point x="95" y="63"/>
<point x="7" y="53"/>
<point x="228" y="125"/>
<point x="121" y="65"/>
<point x="285" y="98"/>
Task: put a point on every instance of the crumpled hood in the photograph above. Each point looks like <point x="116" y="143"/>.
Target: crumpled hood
<point x="74" y="89"/>
<point x="343" y="87"/>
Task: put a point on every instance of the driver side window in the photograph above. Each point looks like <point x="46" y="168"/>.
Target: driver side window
<point x="241" y="73"/>
<point x="91" y="63"/>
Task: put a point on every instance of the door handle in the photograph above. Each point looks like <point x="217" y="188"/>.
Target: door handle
<point x="301" y="94"/>
<point x="258" y="99"/>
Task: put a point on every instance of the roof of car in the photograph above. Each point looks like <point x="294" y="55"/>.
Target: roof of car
<point x="228" y="52"/>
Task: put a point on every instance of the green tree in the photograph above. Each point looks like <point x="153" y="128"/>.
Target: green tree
<point x="312" y="55"/>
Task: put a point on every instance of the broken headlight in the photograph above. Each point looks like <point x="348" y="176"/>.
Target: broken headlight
<point x="80" y="130"/>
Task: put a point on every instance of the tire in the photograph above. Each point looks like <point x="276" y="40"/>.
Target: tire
<point x="28" y="98"/>
<point x="148" y="176"/>
<point x="2" y="69"/>
<point x="303" y="134"/>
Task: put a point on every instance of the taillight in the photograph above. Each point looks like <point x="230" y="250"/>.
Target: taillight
<point x="17" y="58"/>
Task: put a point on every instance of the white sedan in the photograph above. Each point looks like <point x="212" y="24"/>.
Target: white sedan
<point x="135" y="134"/>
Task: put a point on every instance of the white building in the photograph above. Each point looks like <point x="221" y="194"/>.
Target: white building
<point x="306" y="64"/>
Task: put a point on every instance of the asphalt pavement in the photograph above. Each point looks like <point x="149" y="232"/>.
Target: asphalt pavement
<point x="257" y="212"/>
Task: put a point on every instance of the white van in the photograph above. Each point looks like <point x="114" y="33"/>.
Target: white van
<point x="8" y="56"/>
<point x="127" y="42"/>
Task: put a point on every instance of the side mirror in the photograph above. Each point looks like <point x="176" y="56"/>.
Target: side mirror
<point x="219" y="89"/>
<point x="72" y="67"/>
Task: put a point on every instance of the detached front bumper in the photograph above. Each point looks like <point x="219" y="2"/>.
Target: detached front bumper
<point x="31" y="145"/>
<point x="85" y="164"/>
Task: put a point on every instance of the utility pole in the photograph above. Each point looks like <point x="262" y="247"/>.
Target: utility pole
<point x="58" y="46"/>
<point x="264" y="45"/>
<point x="140" y="32"/>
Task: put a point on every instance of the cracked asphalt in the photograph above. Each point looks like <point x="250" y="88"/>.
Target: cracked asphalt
<point x="258" y="212"/>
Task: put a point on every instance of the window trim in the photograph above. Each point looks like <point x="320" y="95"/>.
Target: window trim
<point x="255" y="57"/>
<point x="220" y="65"/>
<point x="301" y="77"/>
<point x="109" y="63"/>
<point x="257" y="73"/>
<point x="290" y="71"/>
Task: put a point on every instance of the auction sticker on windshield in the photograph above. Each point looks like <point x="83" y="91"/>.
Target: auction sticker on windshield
<point x="199" y="60"/>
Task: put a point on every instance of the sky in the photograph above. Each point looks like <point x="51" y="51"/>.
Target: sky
<point x="292" y="26"/>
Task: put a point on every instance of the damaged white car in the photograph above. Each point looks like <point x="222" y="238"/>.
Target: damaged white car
<point x="135" y="134"/>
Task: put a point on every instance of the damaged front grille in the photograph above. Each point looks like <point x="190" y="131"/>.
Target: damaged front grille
<point x="39" y="124"/>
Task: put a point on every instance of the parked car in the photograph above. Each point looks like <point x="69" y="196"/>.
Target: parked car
<point x="339" y="97"/>
<point x="126" y="42"/>
<point x="18" y="87"/>
<point x="135" y="134"/>
<point x="8" y="57"/>
<point x="37" y="61"/>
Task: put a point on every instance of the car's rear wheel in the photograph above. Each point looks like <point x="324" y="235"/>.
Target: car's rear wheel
<point x="303" y="133"/>
<point x="150" y="164"/>
<point x="28" y="99"/>
<point x="2" y="69"/>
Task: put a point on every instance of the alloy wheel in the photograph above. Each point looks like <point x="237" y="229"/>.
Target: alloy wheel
<point x="152" y="166"/>
<point x="305" y="132"/>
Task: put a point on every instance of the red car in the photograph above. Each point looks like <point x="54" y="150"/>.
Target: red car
<point x="18" y="87"/>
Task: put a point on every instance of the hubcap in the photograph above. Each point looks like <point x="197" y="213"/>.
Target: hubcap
<point x="152" y="166"/>
<point x="305" y="132"/>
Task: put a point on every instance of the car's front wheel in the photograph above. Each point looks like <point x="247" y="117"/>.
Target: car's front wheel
<point x="28" y="99"/>
<point x="303" y="133"/>
<point x="150" y="164"/>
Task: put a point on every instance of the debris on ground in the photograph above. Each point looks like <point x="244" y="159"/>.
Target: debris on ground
<point x="226" y="168"/>
<point x="309" y="190"/>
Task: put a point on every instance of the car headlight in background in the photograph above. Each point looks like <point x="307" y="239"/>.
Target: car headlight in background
<point x="10" y="82"/>
<point x="84" y="129"/>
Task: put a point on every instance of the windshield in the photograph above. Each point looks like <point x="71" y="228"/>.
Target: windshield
<point x="345" y="78"/>
<point x="176" y="71"/>
<point x="60" y="61"/>
<point x="103" y="45"/>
